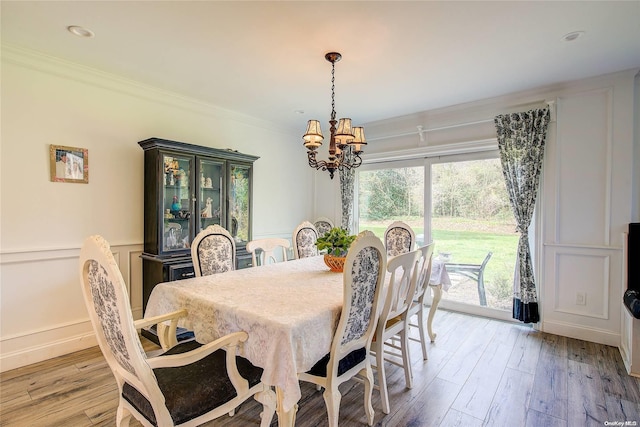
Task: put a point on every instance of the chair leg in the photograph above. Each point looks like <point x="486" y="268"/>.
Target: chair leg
<point x="421" y="329"/>
<point x="382" y="377"/>
<point x="332" y="399"/>
<point x="367" y="375"/>
<point x="406" y="359"/>
<point x="123" y="416"/>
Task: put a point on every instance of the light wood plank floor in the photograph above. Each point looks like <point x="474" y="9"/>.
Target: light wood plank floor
<point x="480" y="372"/>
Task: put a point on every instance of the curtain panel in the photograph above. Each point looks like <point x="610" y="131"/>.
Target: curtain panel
<point x="347" y="192"/>
<point x="521" y="140"/>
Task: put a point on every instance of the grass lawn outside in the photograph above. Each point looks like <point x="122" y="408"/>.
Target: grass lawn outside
<point x="461" y="238"/>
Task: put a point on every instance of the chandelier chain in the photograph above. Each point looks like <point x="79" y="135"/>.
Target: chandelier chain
<point x="333" y="92"/>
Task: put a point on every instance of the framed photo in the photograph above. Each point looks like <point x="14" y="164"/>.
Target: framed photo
<point x="69" y="164"/>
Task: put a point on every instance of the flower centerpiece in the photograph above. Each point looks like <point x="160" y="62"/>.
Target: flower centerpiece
<point x="336" y="242"/>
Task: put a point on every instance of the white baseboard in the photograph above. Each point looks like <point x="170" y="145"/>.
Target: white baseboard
<point x="582" y="333"/>
<point x="28" y="356"/>
<point x="626" y="356"/>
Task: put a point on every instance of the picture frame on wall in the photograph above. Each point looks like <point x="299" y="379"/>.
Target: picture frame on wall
<point x="69" y="164"/>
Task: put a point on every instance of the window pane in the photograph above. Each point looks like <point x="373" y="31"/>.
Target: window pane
<point x="394" y="194"/>
<point x="471" y="216"/>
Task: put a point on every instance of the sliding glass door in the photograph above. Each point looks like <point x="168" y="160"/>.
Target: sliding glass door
<point x="474" y="230"/>
<point x="391" y="193"/>
<point x="460" y="203"/>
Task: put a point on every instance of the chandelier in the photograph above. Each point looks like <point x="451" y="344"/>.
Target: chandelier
<point x="342" y="136"/>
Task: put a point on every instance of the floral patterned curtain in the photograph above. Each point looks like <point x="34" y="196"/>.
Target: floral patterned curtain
<point x="521" y="138"/>
<point x="347" y="192"/>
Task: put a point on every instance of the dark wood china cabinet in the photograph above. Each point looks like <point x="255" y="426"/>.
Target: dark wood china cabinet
<point x="187" y="188"/>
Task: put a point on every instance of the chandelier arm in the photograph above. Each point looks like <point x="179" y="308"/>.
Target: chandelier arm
<point x="313" y="162"/>
<point x="354" y="163"/>
<point x="357" y="160"/>
<point x="321" y="164"/>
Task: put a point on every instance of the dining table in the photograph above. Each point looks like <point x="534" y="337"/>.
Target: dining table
<point x="290" y="311"/>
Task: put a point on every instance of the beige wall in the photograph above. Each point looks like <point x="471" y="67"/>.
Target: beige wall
<point x="42" y="223"/>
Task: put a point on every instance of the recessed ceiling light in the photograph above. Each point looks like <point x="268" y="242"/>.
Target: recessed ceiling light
<point x="298" y="111"/>
<point x="79" y="31"/>
<point x="574" y="35"/>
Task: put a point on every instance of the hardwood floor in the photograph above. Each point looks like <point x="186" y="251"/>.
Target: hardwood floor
<point x="480" y="372"/>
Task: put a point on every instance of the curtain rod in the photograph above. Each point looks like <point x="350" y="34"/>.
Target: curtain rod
<point x="421" y="130"/>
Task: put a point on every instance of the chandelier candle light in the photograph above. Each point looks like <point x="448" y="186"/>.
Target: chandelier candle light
<point x="342" y="136"/>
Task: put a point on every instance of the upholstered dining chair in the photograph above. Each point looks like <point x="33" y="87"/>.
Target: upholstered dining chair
<point x="363" y="281"/>
<point x="187" y="385"/>
<point x="394" y="321"/>
<point x="304" y="240"/>
<point x="399" y="238"/>
<point x="213" y="251"/>
<point x="422" y="287"/>
<point x="270" y="248"/>
<point x="323" y="224"/>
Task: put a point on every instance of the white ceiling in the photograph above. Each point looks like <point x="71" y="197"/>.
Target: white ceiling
<point x="266" y="58"/>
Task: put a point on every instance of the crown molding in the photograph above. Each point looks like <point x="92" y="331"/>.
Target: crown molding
<point x="52" y="65"/>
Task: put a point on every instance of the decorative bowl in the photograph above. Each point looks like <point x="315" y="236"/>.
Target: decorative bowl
<point x="335" y="263"/>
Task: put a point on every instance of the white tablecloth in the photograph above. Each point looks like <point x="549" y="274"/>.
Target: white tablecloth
<point x="290" y="311"/>
<point x="439" y="275"/>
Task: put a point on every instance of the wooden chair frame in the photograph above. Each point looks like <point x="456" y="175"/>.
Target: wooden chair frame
<point x="342" y="346"/>
<point x="422" y="287"/>
<point x="394" y="321"/>
<point x="322" y="222"/>
<point x="298" y="234"/>
<point x="107" y="301"/>
<point x="205" y="235"/>
<point x="409" y="233"/>
<point x="269" y="247"/>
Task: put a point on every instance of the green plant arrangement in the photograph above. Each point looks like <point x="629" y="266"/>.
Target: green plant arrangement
<point x="336" y="241"/>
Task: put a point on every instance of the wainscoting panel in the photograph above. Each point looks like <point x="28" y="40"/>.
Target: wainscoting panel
<point x="583" y="204"/>
<point x="135" y="283"/>
<point x="43" y="313"/>
<point x="581" y="293"/>
<point x="590" y="275"/>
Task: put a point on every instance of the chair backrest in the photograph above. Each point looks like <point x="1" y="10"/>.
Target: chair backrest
<point x="107" y="301"/>
<point x="269" y="248"/>
<point x="304" y="240"/>
<point x="399" y="238"/>
<point x="364" y="272"/>
<point x="401" y="287"/>
<point x="323" y="224"/>
<point x="423" y="270"/>
<point x="213" y="251"/>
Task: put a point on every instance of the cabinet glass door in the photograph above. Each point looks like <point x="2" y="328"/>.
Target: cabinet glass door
<point x="176" y="202"/>
<point x="239" y="224"/>
<point x="210" y="194"/>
